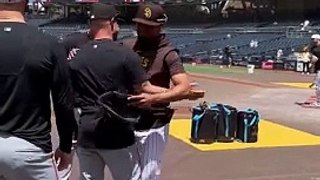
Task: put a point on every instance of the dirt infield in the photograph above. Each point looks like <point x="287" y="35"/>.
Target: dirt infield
<point x="239" y="74"/>
<point x="260" y="79"/>
<point x="275" y="103"/>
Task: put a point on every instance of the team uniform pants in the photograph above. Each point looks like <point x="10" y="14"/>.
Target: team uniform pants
<point x="120" y="164"/>
<point x="20" y="159"/>
<point x="305" y="67"/>
<point x="151" y="145"/>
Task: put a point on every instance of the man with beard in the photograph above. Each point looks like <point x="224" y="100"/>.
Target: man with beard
<point x="162" y="62"/>
<point x="102" y="66"/>
<point x="180" y="91"/>
<point x="74" y="41"/>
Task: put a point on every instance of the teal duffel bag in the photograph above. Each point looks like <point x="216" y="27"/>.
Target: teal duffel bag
<point x="247" y="126"/>
<point x="204" y="123"/>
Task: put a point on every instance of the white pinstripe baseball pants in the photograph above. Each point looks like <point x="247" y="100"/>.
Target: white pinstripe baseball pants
<point x="151" y="145"/>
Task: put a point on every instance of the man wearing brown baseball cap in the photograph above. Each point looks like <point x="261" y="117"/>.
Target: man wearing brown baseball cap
<point x="98" y="68"/>
<point x="150" y="14"/>
<point x="32" y="66"/>
<point x="162" y="62"/>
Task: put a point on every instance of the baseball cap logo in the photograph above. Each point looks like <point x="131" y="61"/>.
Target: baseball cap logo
<point x="144" y="62"/>
<point x="162" y="19"/>
<point x="147" y="12"/>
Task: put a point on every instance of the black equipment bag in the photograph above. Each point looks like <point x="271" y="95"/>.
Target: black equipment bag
<point x="204" y="124"/>
<point x="227" y="123"/>
<point x="153" y="118"/>
<point x="115" y="109"/>
<point x="247" y="128"/>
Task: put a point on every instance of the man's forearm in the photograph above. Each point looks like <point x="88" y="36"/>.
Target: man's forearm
<point x="175" y="94"/>
<point x="147" y="87"/>
<point x="154" y="89"/>
<point x="65" y="125"/>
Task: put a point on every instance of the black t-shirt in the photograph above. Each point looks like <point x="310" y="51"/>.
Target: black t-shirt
<point x="315" y="50"/>
<point x="75" y="40"/>
<point x="31" y="65"/>
<point x="101" y="66"/>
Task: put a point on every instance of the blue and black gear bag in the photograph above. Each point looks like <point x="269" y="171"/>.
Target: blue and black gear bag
<point x="227" y="123"/>
<point x="247" y="127"/>
<point x="204" y="124"/>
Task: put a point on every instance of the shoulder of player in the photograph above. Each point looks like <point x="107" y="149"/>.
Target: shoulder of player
<point x="128" y="54"/>
<point x="76" y="36"/>
<point x="42" y="38"/>
<point x="114" y="47"/>
<point x="129" y="42"/>
<point x="36" y="34"/>
<point x="125" y="49"/>
<point x="170" y="52"/>
<point x="45" y="42"/>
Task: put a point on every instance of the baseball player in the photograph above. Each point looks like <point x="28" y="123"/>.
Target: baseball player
<point x="102" y="66"/>
<point x="315" y="52"/>
<point x="32" y="65"/>
<point x="162" y="62"/>
<point x="314" y="58"/>
<point x="72" y="44"/>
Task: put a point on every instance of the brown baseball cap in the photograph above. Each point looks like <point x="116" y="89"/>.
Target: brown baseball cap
<point x="150" y="14"/>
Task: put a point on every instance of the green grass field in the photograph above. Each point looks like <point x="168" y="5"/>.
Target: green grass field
<point x="215" y="70"/>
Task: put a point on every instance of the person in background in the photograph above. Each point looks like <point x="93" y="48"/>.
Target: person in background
<point x="279" y="54"/>
<point x="305" y="60"/>
<point x="315" y="52"/>
<point x="228" y="55"/>
<point x="314" y="58"/>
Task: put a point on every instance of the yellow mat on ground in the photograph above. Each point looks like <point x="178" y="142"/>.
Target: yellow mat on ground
<point x="270" y="135"/>
<point x="297" y="85"/>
